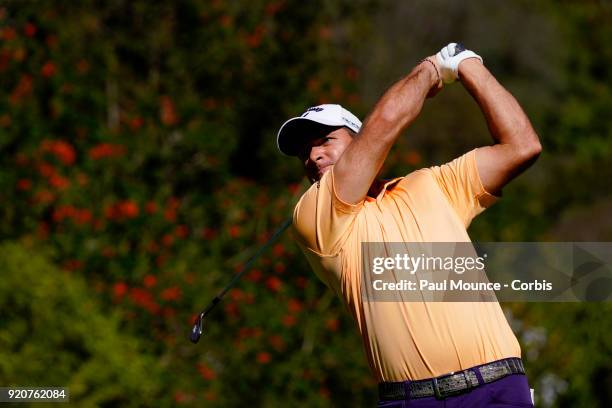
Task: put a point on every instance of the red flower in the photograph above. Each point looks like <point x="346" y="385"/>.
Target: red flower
<point x="24" y="184"/>
<point x="62" y="212"/>
<point x="294" y="187"/>
<point x="128" y="209"/>
<point x="167" y="111"/>
<point x="234" y="231"/>
<point x="278" y="250"/>
<point x="277" y="342"/>
<point x="209" y="233"/>
<point x="23" y="88"/>
<point x="149" y="281"/>
<point x="171" y="207"/>
<point x="246" y="332"/>
<point x="8" y="33"/>
<point x="46" y="170"/>
<point x="120" y="289"/>
<point x="73" y="265"/>
<point x="65" y="152"/>
<point x="44" y="197"/>
<point x="136" y="123"/>
<point x="167" y="240"/>
<point x="206" y="372"/>
<point x="83" y="216"/>
<point x="144" y="299"/>
<point x="263" y="357"/>
<point x="108" y="252"/>
<point x="48" y="70"/>
<point x="103" y="150"/>
<point x="254" y="39"/>
<point x="289" y="320"/>
<point x="181" y="231"/>
<point x="171" y="293"/>
<point x="332" y="324"/>
<point x="122" y="210"/>
<point x="226" y="21"/>
<point x="61" y="149"/>
<point x="294" y="305"/>
<point x="231" y="309"/>
<point x="254" y="275"/>
<point x="273" y="283"/>
<point x="180" y="397"/>
<point x="168" y="312"/>
<point x="30" y="30"/>
<point x="58" y="182"/>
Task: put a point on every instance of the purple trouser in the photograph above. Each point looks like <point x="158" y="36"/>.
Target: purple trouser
<point x="507" y="392"/>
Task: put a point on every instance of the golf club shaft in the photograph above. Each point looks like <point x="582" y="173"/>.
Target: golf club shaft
<point x="198" y="325"/>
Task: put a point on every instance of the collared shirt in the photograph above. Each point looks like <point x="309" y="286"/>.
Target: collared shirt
<point x="405" y="340"/>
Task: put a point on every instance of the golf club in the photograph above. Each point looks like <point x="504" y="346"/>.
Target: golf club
<point x="196" y="331"/>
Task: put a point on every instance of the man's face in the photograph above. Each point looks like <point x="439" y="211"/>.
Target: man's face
<point x="320" y="154"/>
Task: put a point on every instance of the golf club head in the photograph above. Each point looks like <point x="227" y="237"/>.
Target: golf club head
<point x="196" y="330"/>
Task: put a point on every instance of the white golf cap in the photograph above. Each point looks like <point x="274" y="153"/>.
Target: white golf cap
<point x="316" y="122"/>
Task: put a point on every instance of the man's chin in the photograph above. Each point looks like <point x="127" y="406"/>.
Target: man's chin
<point x="316" y="176"/>
<point x="323" y="171"/>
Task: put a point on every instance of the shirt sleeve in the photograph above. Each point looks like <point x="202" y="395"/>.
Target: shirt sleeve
<point x="321" y="220"/>
<point x="460" y="182"/>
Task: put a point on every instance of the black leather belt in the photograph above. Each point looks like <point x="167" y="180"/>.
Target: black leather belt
<point x="453" y="383"/>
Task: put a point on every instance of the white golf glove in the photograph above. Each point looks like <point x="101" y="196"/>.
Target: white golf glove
<point x="449" y="58"/>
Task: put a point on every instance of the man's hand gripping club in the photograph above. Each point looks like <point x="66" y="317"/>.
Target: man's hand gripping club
<point x="449" y="58"/>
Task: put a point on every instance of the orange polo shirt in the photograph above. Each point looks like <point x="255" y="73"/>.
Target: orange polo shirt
<point x="405" y="340"/>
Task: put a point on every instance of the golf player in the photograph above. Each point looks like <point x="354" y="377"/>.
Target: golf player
<point x="423" y="354"/>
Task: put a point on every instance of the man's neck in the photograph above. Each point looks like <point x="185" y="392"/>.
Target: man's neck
<point x="376" y="187"/>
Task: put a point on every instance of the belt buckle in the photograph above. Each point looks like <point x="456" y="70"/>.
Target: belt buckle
<point x="441" y="395"/>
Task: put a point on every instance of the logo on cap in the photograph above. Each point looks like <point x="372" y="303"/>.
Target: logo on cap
<point x="313" y="109"/>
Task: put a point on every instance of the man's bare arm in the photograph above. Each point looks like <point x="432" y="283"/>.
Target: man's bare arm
<point x="396" y="109"/>
<point x="517" y="144"/>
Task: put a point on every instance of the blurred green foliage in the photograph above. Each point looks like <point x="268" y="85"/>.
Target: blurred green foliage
<point x="54" y="333"/>
<point x="138" y="155"/>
